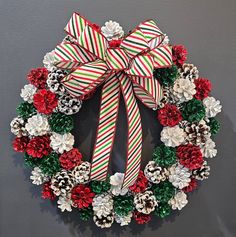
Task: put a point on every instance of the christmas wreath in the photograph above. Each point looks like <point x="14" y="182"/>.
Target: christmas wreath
<point x="141" y="65"/>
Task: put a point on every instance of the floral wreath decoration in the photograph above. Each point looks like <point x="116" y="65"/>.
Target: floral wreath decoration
<point x="141" y="65"/>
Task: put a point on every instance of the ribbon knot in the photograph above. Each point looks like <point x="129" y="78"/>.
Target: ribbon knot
<point x="127" y="70"/>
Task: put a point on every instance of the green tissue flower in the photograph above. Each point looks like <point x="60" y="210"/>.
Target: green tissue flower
<point x="166" y="76"/>
<point x="193" y="110"/>
<point x="123" y="205"/>
<point x="61" y="123"/>
<point x="100" y="187"/>
<point x="214" y="125"/>
<point x="163" y="191"/>
<point x="25" y="110"/>
<point x="164" y="156"/>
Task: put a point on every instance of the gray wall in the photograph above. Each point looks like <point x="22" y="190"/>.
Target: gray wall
<point x="30" y="28"/>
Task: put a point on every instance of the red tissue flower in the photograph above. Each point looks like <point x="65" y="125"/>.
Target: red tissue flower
<point x="115" y="43"/>
<point x="203" y="88"/>
<point x="141" y="218"/>
<point x="38" y="77"/>
<point x="45" y="101"/>
<point x="20" y="144"/>
<point x="47" y="192"/>
<point x="38" y="147"/>
<point x="179" y="55"/>
<point x="82" y="196"/>
<point x="141" y="183"/>
<point x="70" y="159"/>
<point x="169" y="115"/>
<point x="190" y="156"/>
<point x="192" y="186"/>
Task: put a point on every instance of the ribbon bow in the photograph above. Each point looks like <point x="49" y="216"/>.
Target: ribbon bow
<point x="127" y="69"/>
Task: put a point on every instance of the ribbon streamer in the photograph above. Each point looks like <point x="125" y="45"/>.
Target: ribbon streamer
<point x="126" y="70"/>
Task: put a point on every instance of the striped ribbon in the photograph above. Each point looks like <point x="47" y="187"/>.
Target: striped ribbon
<point x="126" y="70"/>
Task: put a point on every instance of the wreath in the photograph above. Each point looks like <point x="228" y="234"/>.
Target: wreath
<point x="141" y="65"/>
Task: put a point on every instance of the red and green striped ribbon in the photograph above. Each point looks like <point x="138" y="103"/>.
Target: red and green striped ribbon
<point x="127" y="69"/>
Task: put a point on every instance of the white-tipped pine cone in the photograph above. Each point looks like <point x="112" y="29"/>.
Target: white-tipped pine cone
<point x="49" y="60"/>
<point x="189" y="71"/>
<point x="154" y="173"/>
<point x="202" y="173"/>
<point x="54" y="81"/>
<point x="179" y="176"/>
<point x="145" y="202"/>
<point x="18" y="127"/>
<point x="81" y="173"/>
<point x="69" y="105"/>
<point x="179" y="201"/>
<point x="197" y="133"/>
<point x="62" y="183"/>
<point x="104" y="221"/>
<point x="102" y="205"/>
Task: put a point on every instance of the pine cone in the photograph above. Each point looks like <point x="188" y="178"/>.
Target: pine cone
<point x="102" y="205"/>
<point x="179" y="176"/>
<point x="145" y="202"/>
<point x="202" y="173"/>
<point x="62" y="182"/>
<point x="81" y="173"/>
<point x="189" y="71"/>
<point x="165" y="98"/>
<point x="155" y="173"/>
<point x="61" y="123"/>
<point x="54" y="79"/>
<point x="104" y="221"/>
<point x="18" y="127"/>
<point x="69" y="105"/>
<point x="197" y="133"/>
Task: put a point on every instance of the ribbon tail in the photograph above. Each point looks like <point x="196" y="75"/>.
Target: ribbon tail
<point x="134" y="142"/>
<point x="106" y="129"/>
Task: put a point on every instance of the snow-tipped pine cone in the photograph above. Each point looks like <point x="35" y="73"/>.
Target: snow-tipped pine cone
<point x="189" y="71"/>
<point x="155" y="173"/>
<point x="54" y="79"/>
<point x="62" y="183"/>
<point x="81" y="173"/>
<point x="145" y="202"/>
